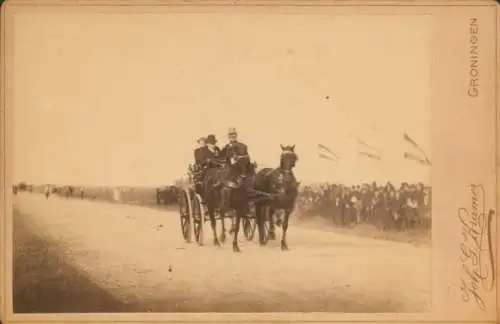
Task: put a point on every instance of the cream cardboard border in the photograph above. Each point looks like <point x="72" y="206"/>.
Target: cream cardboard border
<point x="463" y="145"/>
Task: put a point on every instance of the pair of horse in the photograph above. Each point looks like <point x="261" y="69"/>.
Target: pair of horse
<point x="232" y="187"/>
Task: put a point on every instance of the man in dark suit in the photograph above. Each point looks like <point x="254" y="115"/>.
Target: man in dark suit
<point x="234" y="148"/>
<point x="231" y="152"/>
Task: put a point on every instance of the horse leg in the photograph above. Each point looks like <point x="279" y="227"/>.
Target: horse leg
<point x="226" y="204"/>
<point x="222" y="213"/>
<point x="239" y="214"/>
<point x="286" y="216"/>
<point x="272" y="228"/>
<point x="211" y="214"/>
<point x="233" y="224"/>
<point x="260" y="225"/>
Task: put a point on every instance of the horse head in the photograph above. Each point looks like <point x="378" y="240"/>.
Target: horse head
<point x="282" y="180"/>
<point x="288" y="157"/>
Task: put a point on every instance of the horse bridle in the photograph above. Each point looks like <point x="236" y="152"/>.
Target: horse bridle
<point x="285" y="153"/>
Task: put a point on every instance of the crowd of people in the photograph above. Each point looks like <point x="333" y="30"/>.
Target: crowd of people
<point x="386" y="207"/>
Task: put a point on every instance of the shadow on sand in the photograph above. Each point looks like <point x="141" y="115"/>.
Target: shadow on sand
<point x="44" y="283"/>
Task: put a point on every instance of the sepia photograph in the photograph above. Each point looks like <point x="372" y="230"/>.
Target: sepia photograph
<point x="223" y="160"/>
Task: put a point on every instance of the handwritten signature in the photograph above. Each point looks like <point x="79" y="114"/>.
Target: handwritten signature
<point x="478" y="273"/>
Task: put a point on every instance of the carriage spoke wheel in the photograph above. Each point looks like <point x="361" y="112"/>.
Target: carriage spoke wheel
<point x="184" y="215"/>
<point x="249" y="227"/>
<point x="198" y="218"/>
<point x="250" y="224"/>
<point x="265" y="226"/>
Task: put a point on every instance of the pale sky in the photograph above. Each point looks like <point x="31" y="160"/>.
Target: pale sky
<point x="119" y="99"/>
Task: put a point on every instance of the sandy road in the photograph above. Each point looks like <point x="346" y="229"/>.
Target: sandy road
<point x="127" y="251"/>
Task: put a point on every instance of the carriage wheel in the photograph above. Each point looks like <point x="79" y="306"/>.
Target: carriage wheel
<point x="266" y="226"/>
<point x="250" y="223"/>
<point x="185" y="216"/>
<point x="198" y="218"/>
<point x="249" y="227"/>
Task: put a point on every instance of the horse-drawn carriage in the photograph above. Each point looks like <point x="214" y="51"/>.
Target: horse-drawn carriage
<point x="251" y="198"/>
<point x="194" y="213"/>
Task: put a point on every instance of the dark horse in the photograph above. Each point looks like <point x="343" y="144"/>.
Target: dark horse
<point x="226" y="188"/>
<point x="282" y="186"/>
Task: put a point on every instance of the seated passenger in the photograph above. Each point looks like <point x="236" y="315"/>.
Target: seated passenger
<point x="199" y="159"/>
<point x="211" y="152"/>
<point x="234" y="148"/>
<point x="231" y="152"/>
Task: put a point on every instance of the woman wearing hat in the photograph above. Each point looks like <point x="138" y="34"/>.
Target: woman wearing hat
<point x="212" y="151"/>
<point x="199" y="152"/>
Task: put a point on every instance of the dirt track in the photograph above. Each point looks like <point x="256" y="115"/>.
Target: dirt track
<point x="126" y="251"/>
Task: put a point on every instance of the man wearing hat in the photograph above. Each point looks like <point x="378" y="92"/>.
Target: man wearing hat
<point x="234" y="147"/>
